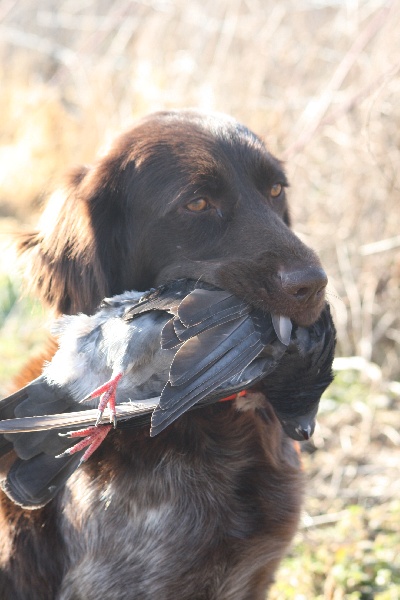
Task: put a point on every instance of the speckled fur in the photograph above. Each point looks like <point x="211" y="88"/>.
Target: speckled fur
<point x="198" y="520"/>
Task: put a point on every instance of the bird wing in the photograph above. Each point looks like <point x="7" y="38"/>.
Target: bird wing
<point x="82" y="418"/>
<point x="33" y="483"/>
<point x="166" y="298"/>
<point x="26" y="479"/>
<point x="218" y="356"/>
<point x="34" y="400"/>
<point x="36" y="475"/>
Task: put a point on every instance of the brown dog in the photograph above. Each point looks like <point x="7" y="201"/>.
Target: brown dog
<point x="206" y="510"/>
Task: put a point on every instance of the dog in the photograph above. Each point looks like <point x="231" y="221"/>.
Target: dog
<point x="207" y="509"/>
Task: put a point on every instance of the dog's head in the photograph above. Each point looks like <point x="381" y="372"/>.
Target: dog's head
<point x="182" y="194"/>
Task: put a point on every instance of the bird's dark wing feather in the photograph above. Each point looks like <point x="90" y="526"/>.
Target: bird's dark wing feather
<point x="35" y="399"/>
<point x="201" y="352"/>
<point x="82" y="418"/>
<point x="166" y="298"/>
<point x="169" y="339"/>
<point x="177" y="399"/>
<point x="202" y="306"/>
<point x="36" y="468"/>
<point x="181" y="328"/>
<point x="32" y="483"/>
<point x="36" y="476"/>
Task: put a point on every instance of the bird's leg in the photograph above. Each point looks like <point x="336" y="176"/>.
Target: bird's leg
<point x="107" y="393"/>
<point x="93" y="437"/>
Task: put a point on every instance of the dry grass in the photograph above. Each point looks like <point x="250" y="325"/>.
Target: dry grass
<point x="320" y="81"/>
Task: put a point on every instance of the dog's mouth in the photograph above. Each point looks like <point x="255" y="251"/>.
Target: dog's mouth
<point x="285" y="312"/>
<point x="297" y="297"/>
<point x="302" y="307"/>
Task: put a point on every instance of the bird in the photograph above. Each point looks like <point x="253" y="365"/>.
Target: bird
<point x="150" y="357"/>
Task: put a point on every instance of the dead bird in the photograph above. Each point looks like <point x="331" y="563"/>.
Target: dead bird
<point x="155" y="356"/>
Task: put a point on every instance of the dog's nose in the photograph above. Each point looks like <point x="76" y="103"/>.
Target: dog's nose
<point x="304" y="284"/>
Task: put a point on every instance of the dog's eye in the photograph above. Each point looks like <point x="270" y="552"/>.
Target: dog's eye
<point x="276" y="190"/>
<point x="199" y="205"/>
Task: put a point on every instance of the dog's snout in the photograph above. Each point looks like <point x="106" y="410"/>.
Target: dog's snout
<point x="304" y="284"/>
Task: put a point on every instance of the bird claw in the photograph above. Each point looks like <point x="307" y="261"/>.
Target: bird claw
<point x="107" y="393"/>
<point x="113" y="417"/>
<point x="93" y="437"/>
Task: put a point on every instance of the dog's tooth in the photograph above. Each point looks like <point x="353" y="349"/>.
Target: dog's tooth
<point x="283" y="328"/>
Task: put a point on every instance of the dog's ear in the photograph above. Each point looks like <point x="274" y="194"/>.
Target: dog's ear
<point x="64" y="266"/>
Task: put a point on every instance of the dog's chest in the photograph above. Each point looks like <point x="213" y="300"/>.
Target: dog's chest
<point x="192" y="525"/>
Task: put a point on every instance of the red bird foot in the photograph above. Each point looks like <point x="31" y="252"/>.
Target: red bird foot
<point x="93" y="437"/>
<point x="107" y="393"/>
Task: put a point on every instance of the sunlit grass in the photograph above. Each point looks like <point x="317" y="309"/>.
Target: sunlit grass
<point x="22" y="319"/>
<point x="357" y="558"/>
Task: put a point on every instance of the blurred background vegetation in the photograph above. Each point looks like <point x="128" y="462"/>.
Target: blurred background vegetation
<point x="319" y="80"/>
